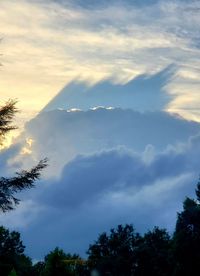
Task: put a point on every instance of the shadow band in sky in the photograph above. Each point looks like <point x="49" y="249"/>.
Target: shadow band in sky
<point x="144" y="93"/>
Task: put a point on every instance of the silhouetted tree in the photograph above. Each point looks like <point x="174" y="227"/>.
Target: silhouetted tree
<point x="59" y="263"/>
<point x="38" y="268"/>
<point x="187" y="238"/>
<point x="154" y="254"/>
<point x="24" y="266"/>
<point x="12" y="254"/>
<point x="7" y="113"/>
<point x="13" y="273"/>
<point x="115" y="254"/>
<point x="22" y="180"/>
<point x="198" y="191"/>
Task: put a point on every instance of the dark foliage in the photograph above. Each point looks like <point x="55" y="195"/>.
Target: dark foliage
<point x="12" y="254"/>
<point x="7" y="113"/>
<point x="154" y="254"/>
<point x="116" y="253"/>
<point x="59" y="263"/>
<point x="38" y="268"/>
<point x="198" y="191"/>
<point x="22" y="180"/>
<point x="187" y="239"/>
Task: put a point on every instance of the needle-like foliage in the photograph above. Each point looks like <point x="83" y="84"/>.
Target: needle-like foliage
<point x="22" y="180"/>
<point x="7" y="113"/>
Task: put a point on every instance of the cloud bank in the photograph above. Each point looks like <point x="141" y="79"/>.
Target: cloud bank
<point x="103" y="171"/>
<point x="145" y="190"/>
<point x="62" y="135"/>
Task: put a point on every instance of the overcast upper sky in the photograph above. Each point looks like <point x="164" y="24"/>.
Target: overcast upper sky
<point x="109" y="91"/>
<point x="48" y="43"/>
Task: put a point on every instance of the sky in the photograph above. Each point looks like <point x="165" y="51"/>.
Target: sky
<point x="47" y="44"/>
<point x="109" y="92"/>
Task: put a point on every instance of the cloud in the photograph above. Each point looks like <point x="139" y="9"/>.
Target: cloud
<point x="23" y="216"/>
<point x="61" y="135"/>
<point x="122" y="172"/>
<point x="118" y="171"/>
<point x="98" y="191"/>
<point x="100" y="184"/>
<point x="48" y="43"/>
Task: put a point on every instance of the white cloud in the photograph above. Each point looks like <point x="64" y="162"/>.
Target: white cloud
<point x="47" y="44"/>
<point x="61" y="135"/>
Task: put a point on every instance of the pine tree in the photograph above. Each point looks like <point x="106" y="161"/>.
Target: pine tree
<point x="7" y="113"/>
<point x="22" y="180"/>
